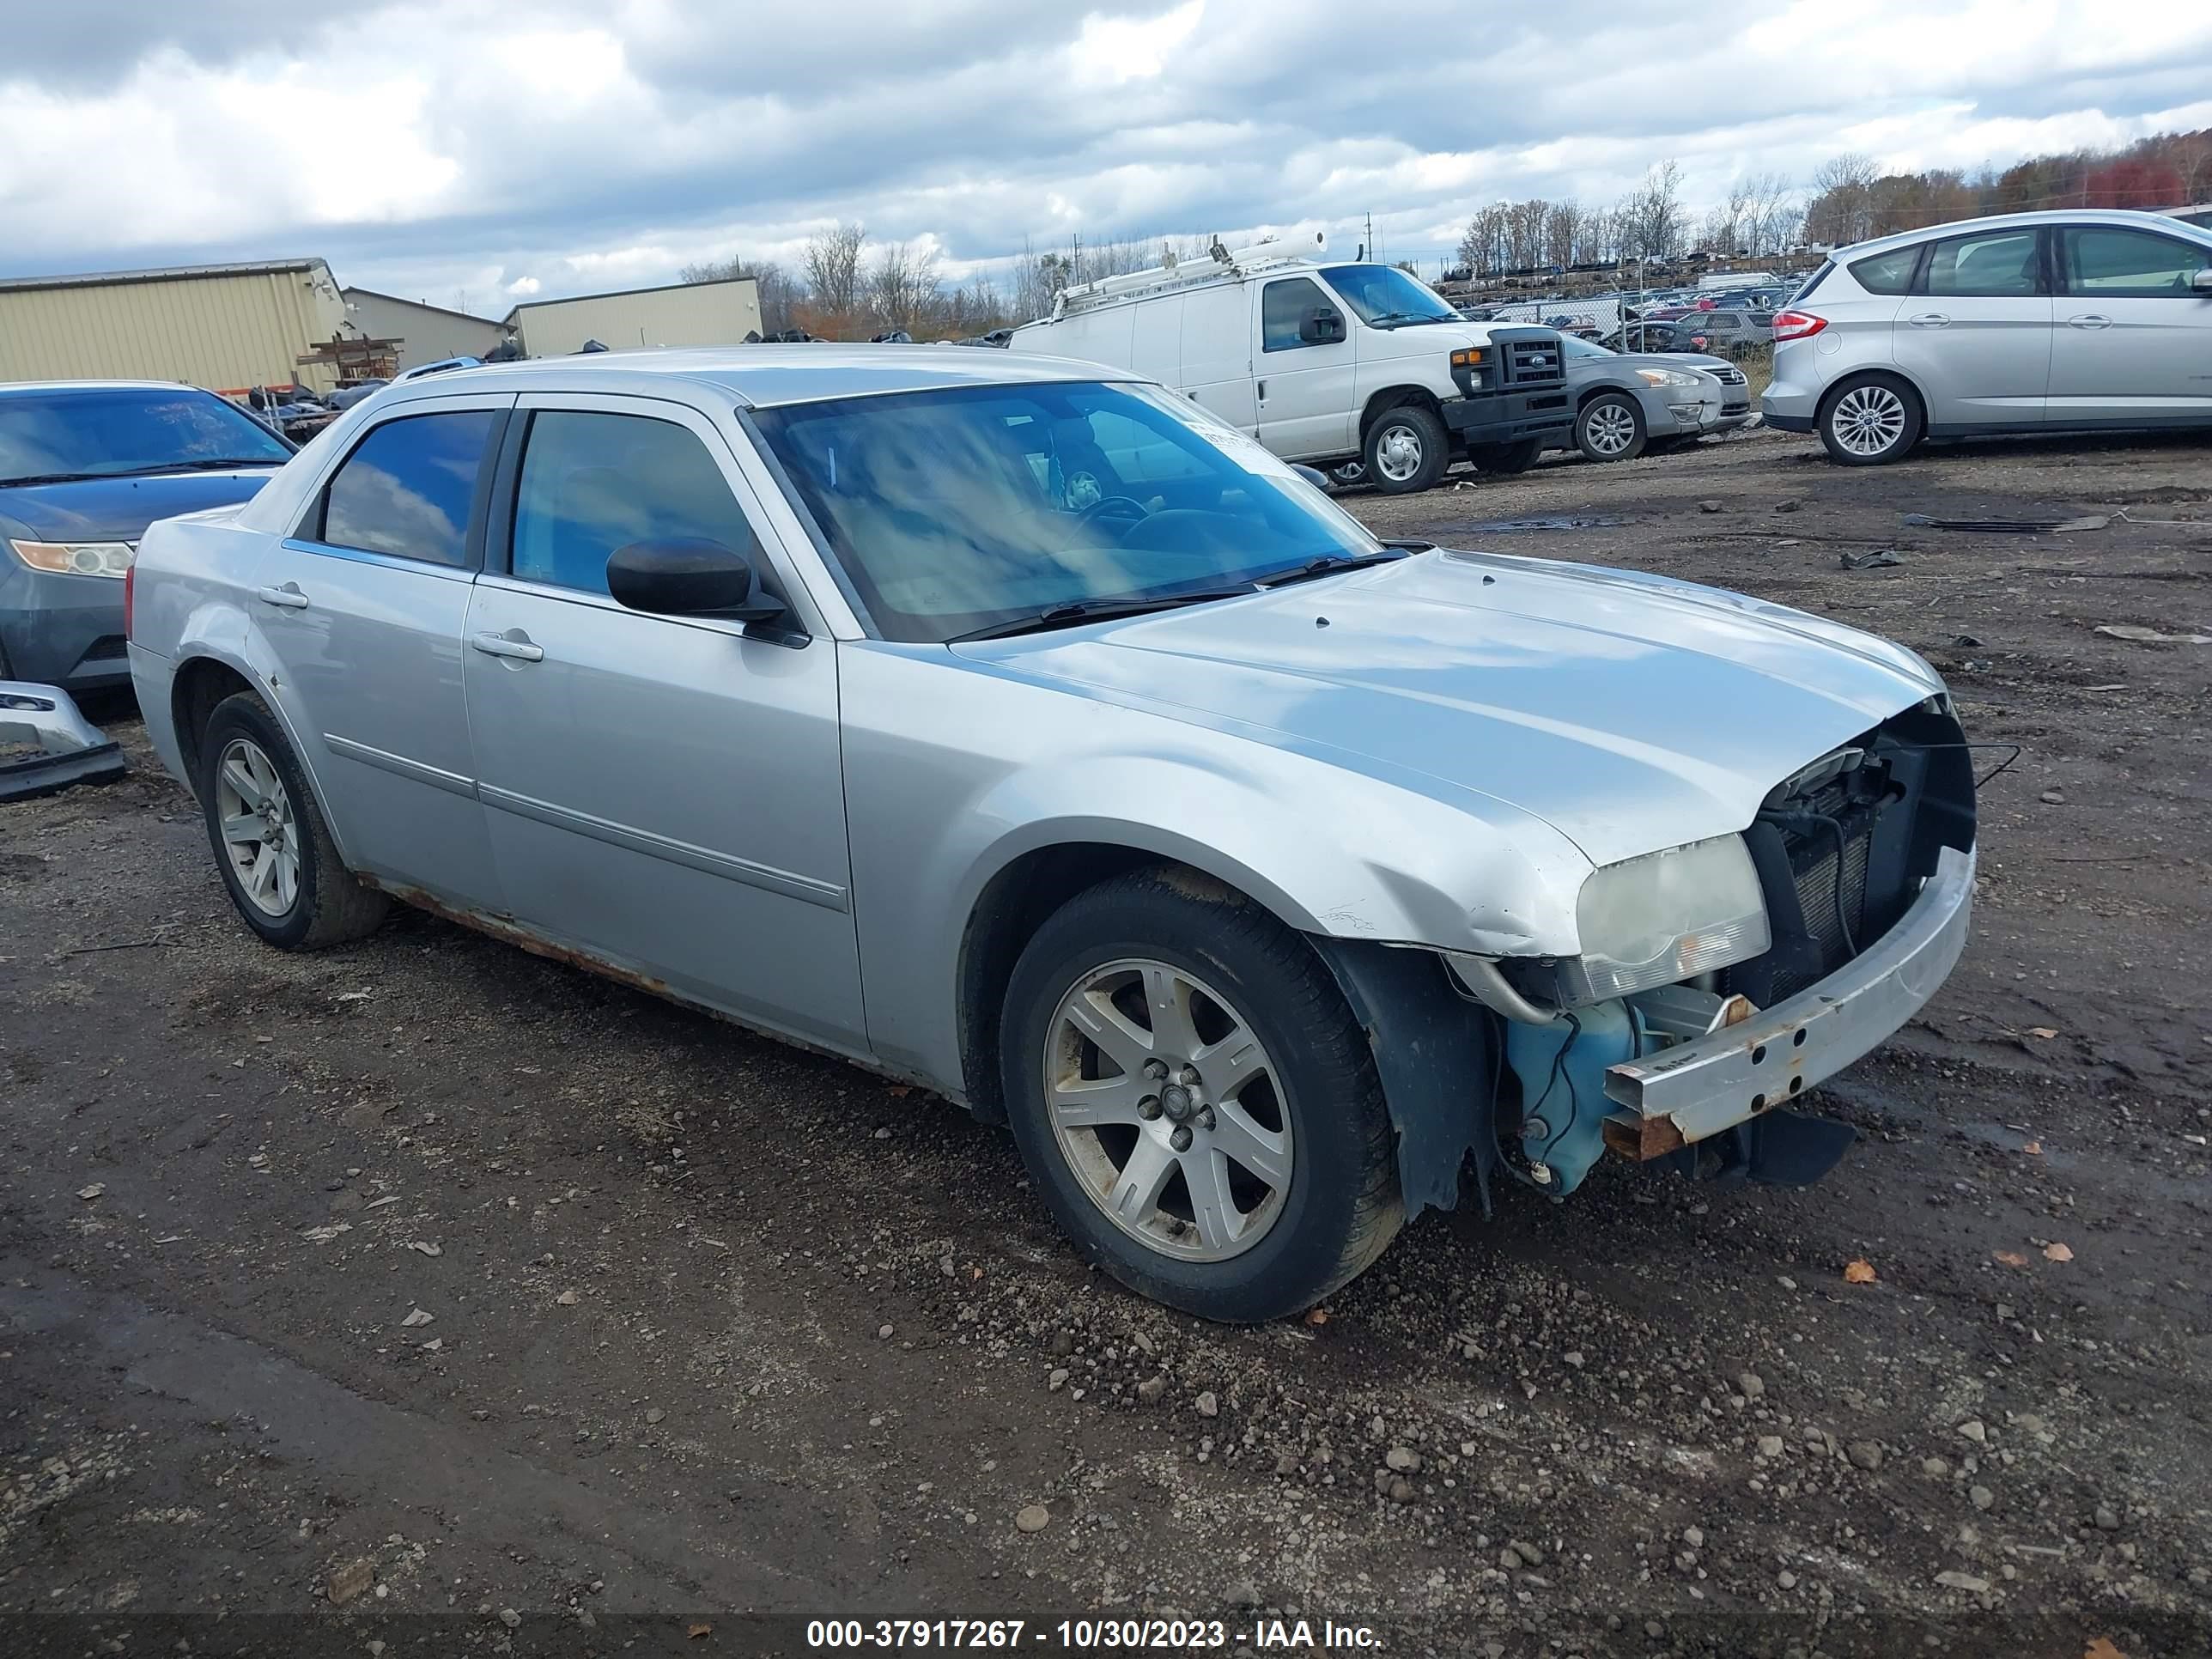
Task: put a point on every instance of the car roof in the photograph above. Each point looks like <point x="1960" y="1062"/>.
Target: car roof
<point x="27" y="388"/>
<point x="762" y="376"/>
<point x="2128" y="218"/>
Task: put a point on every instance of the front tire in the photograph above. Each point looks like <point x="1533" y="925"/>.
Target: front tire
<point x="271" y="845"/>
<point x="1405" y="450"/>
<point x="1194" y="1101"/>
<point x="1610" y="428"/>
<point x="1871" y="420"/>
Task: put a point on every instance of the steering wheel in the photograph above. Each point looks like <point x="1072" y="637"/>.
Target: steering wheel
<point x="1120" y="507"/>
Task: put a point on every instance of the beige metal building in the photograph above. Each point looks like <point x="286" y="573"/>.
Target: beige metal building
<point x="225" y="327"/>
<point x="426" y="333"/>
<point x="682" y="314"/>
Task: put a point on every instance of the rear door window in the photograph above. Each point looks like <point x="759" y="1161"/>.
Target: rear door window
<point x="408" y="487"/>
<point x="1991" y="262"/>
<point x="592" y="483"/>
<point x="2130" y="264"/>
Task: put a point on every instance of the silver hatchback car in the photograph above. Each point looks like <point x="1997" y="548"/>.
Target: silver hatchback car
<point x="1020" y="730"/>
<point x="2034" y="322"/>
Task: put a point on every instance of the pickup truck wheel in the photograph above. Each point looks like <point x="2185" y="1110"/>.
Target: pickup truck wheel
<point x="1195" y="1100"/>
<point x="1870" y="420"/>
<point x="270" y="843"/>
<point x="1405" y="450"/>
<point x="1505" y="460"/>
<point x="1610" y="428"/>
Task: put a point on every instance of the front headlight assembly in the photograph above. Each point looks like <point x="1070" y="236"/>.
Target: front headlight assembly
<point x="75" y="558"/>
<point x="1664" y="917"/>
<point x="1665" y="377"/>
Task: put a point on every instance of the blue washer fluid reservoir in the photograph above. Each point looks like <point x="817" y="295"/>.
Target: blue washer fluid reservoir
<point x="1562" y="1071"/>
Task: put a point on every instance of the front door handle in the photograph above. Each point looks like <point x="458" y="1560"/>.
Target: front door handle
<point x="1931" y="320"/>
<point x="2089" y="320"/>
<point x="288" y="596"/>
<point x="513" y="643"/>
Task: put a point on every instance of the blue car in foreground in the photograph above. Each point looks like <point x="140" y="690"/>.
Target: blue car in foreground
<point x="85" y="466"/>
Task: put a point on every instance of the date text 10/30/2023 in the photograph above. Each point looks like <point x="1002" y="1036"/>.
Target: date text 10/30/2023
<point x="1089" y="1635"/>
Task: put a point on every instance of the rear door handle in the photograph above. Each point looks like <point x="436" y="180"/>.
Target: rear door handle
<point x="1931" y="320"/>
<point x="506" y="645"/>
<point x="2089" y="320"/>
<point x="288" y="596"/>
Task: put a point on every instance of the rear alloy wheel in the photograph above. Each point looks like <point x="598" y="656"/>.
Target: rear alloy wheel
<point x="270" y="843"/>
<point x="1405" y="450"/>
<point x="1505" y="460"/>
<point x="1870" y="422"/>
<point x="1610" y="428"/>
<point x="1194" y="1101"/>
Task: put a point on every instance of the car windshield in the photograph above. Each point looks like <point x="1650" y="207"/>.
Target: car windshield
<point x="1386" y="297"/>
<point x="955" y="512"/>
<point x="1578" y="347"/>
<point x="109" y="432"/>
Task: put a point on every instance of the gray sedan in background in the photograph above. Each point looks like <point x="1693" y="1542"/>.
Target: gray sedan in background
<point x="1626" y="403"/>
<point x="1011" y="727"/>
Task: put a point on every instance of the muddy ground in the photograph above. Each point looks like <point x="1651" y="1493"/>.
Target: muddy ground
<point x="430" y="1294"/>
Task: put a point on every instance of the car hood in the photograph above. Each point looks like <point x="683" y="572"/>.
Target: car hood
<point x="120" y="509"/>
<point x="1629" y="712"/>
<point x="1634" y="360"/>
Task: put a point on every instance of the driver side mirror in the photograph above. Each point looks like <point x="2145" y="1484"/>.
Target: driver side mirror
<point x="690" y="576"/>
<point x="1320" y="326"/>
<point x="2201" y="282"/>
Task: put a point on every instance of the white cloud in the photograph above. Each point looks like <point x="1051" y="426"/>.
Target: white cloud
<point x="435" y="145"/>
<point x="523" y="287"/>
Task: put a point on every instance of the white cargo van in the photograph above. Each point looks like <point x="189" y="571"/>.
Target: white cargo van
<point x="1330" y="364"/>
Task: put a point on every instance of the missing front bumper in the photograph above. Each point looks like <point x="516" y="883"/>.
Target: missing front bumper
<point x="65" y="748"/>
<point x="1737" y="1072"/>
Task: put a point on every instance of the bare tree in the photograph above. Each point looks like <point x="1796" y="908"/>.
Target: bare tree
<point x="833" y="267"/>
<point x="1842" y="208"/>
<point x="1772" y="216"/>
<point x="1651" y="214"/>
<point x="772" y="284"/>
<point x="902" y="284"/>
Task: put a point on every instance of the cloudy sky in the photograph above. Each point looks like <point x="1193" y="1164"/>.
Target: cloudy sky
<point x="478" y="150"/>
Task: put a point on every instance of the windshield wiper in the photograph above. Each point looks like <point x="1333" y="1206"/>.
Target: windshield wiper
<point x="50" y="478"/>
<point x="1329" y="564"/>
<point x="1088" y="610"/>
<point x="1402" y="317"/>
<point x="224" y="464"/>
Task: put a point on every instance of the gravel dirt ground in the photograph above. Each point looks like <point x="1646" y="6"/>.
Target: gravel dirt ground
<point x="429" y="1294"/>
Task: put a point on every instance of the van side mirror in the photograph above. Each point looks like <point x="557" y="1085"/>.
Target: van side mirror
<point x="2201" y="282"/>
<point x="690" y="576"/>
<point x="1320" y="326"/>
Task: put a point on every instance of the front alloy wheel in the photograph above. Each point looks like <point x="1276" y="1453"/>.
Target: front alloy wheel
<point x="1610" y="428"/>
<point x="1164" y="1104"/>
<point x="1194" y="1101"/>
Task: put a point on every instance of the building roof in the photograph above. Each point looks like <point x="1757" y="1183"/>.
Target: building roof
<point x="420" y="305"/>
<point x="621" y="293"/>
<point x="161" y="274"/>
<point x="763" y="376"/>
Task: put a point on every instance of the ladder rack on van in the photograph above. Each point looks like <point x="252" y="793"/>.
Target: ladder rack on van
<point x="1220" y="262"/>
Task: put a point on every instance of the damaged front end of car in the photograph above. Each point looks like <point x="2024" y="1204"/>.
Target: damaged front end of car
<point x="1720" y="980"/>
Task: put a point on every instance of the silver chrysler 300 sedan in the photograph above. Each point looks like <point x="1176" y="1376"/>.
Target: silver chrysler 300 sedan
<point x="1016" y="728"/>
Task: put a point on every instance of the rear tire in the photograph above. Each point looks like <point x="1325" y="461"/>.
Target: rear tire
<point x="1405" y="450"/>
<point x="271" y="845"/>
<point x="1168" y="967"/>
<point x="1505" y="460"/>
<point x="1610" y="428"/>
<point x="1871" y="420"/>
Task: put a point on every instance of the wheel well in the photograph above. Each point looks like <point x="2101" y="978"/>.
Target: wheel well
<point x="1902" y="382"/>
<point x="1012" y="907"/>
<point x="200" y="684"/>
<point x="1597" y="391"/>
<point x="1391" y="397"/>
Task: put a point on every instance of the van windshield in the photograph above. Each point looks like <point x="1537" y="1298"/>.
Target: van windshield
<point x="957" y="511"/>
<point x="1385" y="296"/>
